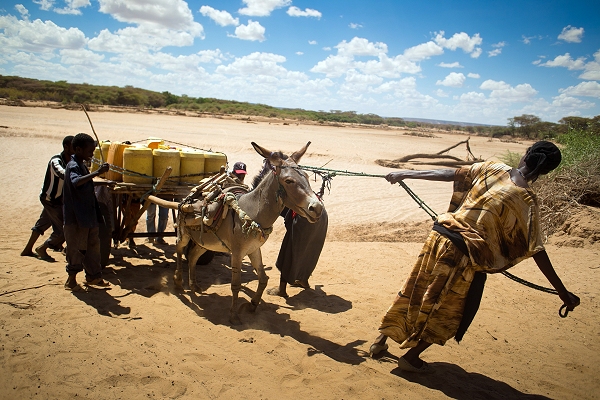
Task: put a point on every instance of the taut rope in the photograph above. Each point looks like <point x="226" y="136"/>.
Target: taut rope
<point x="327" y="174"/>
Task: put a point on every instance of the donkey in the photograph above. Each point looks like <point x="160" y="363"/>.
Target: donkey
<point x="280" y="184"/>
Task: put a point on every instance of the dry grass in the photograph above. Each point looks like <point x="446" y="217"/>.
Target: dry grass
<point x="563" y="194"/>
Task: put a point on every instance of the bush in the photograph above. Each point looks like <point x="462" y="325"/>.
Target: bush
<point x="575" y="183"/>
<point x="511" y="158"/>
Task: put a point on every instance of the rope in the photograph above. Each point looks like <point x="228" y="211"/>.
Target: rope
<point x="332" y="172"/>
<point x="123" y="171"/>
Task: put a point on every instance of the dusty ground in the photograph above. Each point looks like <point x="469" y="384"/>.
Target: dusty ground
<point x="142" y="339"/>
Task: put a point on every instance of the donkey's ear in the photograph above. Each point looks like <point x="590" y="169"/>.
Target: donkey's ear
<point x="269" y="155"/>
<point x="261" y="150"/>
<point x="298" y="154"/>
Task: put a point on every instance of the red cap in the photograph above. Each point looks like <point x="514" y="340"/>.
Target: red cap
<point x="239" y="168"/>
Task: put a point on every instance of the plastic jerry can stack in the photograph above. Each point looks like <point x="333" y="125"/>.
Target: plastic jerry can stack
<point x="115" y="158"/>
<point x="164" y="158"/>
<point x="192" y="163"/>
<point x="214" y="162"/>
<point x="104" y="145"/>
<point x="140" y="160"/>
<point x="154" y="142"/>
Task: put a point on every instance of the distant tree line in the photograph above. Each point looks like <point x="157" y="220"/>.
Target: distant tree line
<point x="16" y="88"/>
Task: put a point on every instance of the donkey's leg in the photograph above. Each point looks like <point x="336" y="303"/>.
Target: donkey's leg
<point x="193" y="255"/>
<point x="236" y="285"/>
<point x="263" y="279"/>
<point x="180" y="246"/>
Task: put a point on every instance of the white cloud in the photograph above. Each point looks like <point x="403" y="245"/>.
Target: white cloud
<point x="327" y="48"/>
<point x="501" y="90"/>
<point x="527" y="39"/>
<point x="361" y="47"/>
<point x="590" y="89"/>
<point x="441" y="93"/>
<point x="167" y="14"/>
<point x="334" y="66"/>
<point x="223" y="18"/>
<point x="140" y="38"/>
<point x="592" y="69"/>
<point x="455" y="64"/>
<point x="253" y="31"/>
<point x="357" y="83"/>
<point x="497" y="49"/>
<point x="460" y="41"/>
<point x="312" y="42"/>
<point x="388" y="67"/>
<point x="565" y="102"/>
<point x="72" y="7"/>
<point x="299" y="53"/>
<point x="262" y="8"/>
<point x="476" y="53"/>
<point x="401" y="86"/>
<point x="566" y="61"/>
<point x="255" y="64"/>
<point x="45" y="5"/>
<point x="353" y="25"/>
<point x="452" y="80"/>
<point x="211" y="56"/>
<point x="423" y="51"/>
<point x="308" y="12"/>
<point x="80" y="57"/>
<point x="22" y="10"/>
<point x="37" y="36"/>
<point x="571" y="34"/>
<point x="472" y="75"/>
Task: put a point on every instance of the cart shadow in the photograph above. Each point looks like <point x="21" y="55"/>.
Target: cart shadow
<point x="156" y="272"/>
<point x="215" y="308"/>
<point x="450" y="379"/>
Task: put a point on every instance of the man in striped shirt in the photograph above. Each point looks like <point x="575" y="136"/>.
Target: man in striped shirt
<point x="51" y="199"/>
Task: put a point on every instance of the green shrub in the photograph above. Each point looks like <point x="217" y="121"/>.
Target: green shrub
<point x="580" y="147"/>
<point x="511" y="158"/>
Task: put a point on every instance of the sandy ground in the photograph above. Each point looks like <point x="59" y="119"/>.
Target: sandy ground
<point x="143" y="339"/>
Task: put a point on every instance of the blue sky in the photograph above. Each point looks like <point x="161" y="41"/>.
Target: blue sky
<point x="470" y="61"/>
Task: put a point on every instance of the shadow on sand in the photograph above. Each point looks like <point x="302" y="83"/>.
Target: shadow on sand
<point x="457" y="383"/>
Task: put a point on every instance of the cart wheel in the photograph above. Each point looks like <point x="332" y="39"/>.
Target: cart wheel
<point x="204" y="259"/>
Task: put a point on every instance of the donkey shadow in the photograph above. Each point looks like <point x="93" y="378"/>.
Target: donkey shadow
<point x="215" y="308"/>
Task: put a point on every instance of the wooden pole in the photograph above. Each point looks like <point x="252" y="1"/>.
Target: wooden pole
<point x="94" y="131"/>
<point x="131" y="225"/>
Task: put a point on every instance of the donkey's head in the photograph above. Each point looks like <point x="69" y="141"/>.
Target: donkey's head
<point x="298" y="194"/>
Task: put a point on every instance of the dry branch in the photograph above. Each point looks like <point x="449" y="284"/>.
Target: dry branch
<point x="455" y="161"/>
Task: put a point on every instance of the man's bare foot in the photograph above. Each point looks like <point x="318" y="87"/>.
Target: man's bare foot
<point x="97" y="282"/>
<point x="277" y="292"/>
<point x="302" y="284"/>
<point x="43" y="255"/>
<point x="72" y="285"/>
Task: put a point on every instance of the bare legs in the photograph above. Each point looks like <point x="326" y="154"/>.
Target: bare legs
<point x="279" y="291"/>
<point x="413" y="355"/>
<point x="28" y="250"/>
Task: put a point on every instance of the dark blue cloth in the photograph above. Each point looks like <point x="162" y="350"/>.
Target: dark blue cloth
<point x="80" y="204"/>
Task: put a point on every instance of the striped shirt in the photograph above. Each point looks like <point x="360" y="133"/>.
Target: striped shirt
<point x="54" y="180"/>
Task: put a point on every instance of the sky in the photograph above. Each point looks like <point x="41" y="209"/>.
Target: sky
<point x="469" y="61"/>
